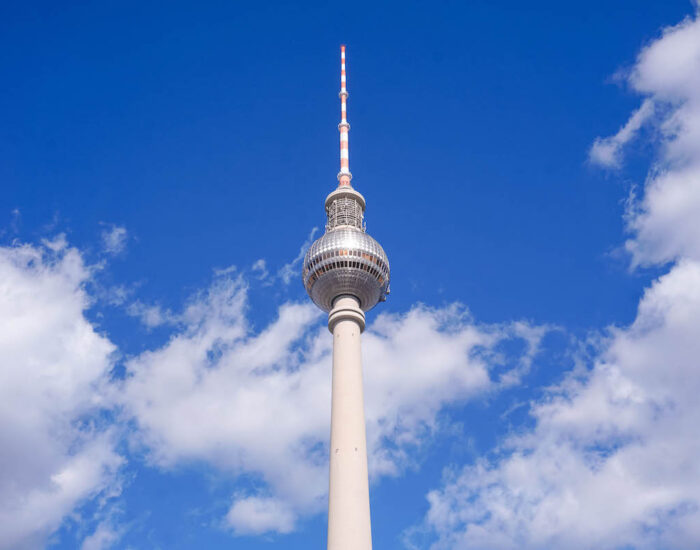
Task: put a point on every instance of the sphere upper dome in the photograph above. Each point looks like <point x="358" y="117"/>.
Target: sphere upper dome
<point x="346" y="261"/>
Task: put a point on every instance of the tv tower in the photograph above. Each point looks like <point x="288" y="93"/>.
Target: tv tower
<point x="346" y="273"/>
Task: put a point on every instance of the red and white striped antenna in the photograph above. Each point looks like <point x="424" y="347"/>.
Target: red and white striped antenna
<point x="344" y="176"/>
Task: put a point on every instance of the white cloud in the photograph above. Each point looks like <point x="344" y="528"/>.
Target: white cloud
<point x="259" y="403"/>
<point x="114" y="239"/>
<point x="16" y="220"/>
<point x="291" y="270"/>
<point x="606" y="152"/>
<point x="612" y="461"/>
<point x="53" y="369"/>
<point x="152" y="315"/>
<point x="256" y="515"/>
<point x="260" y="269"/>
<point x="105" y="536"/>
<point x="666" y="222"/>
<point x="418" y="362"/>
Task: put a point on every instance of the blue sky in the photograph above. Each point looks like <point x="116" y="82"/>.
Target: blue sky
<point x="532" y="172"/>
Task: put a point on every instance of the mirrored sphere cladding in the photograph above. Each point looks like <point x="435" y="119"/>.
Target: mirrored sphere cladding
<point x="346" y="260"/>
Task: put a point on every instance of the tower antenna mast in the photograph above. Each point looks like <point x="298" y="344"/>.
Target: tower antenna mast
<point x="344" y="176"/>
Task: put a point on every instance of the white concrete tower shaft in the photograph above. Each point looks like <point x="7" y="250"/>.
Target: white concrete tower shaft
<point x="349" y="525"/>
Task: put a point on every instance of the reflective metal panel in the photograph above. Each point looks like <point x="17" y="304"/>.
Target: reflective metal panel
<point x="346" y="260"/>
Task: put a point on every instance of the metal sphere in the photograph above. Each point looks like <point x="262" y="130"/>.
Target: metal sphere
<point x="346" y="261"/>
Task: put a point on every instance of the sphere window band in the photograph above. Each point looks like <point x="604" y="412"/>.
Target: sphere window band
<point x="378" y="271"/>
<point x="364" y="255"/>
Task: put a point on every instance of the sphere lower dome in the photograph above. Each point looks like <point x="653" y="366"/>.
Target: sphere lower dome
<point x="346" y="261"/>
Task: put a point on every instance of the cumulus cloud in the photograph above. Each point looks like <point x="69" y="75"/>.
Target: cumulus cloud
<point x="15" y="220"/>
<point x="665" y="222"/>
<point x="420" y="361"/>
<point x="53" y="369"/>
<point x="259" y="268"/>
<point x="612" y="459"/>
<point x="259" y="402"/>
<point x="219" y="391"/>
<point x="607" y="152"/>
<point x="152" y="315"/>
<point x="114" y="239"/>
<point x="254" y="515"/>
<point x="291" y="270"/>
<point x="105" y="536"/>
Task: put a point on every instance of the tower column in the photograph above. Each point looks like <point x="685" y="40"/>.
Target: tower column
<point x="346" y="273"/>
<point x="348" y="504"/>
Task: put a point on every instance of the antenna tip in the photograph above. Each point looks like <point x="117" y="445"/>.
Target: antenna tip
<point x="342" y="47"/>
